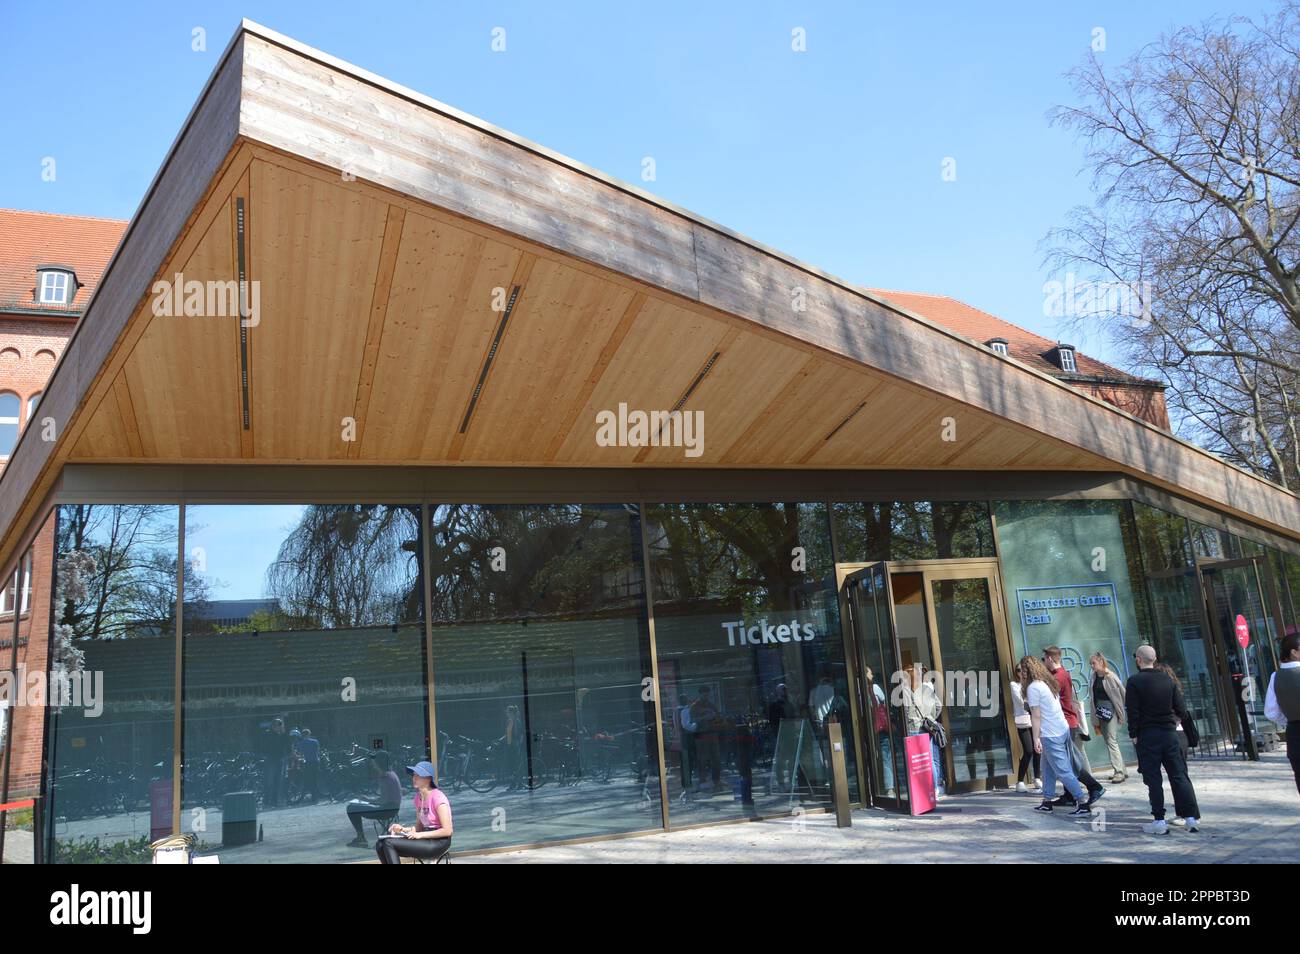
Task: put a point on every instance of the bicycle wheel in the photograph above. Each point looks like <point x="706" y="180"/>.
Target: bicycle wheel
<point x="481" y="782"/>
<point x="538" y="778"/>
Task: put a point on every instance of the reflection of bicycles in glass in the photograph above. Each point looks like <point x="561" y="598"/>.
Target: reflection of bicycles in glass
<point x="610" y="753"/>
<point x="458" y="761"/>
<point x="510" y="767"/>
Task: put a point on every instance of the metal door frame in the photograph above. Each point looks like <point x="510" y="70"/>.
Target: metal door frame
<point x="986" y="568"/>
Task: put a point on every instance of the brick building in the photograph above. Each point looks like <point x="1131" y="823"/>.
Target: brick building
<point x="49" y="267"/>
<point x="1138" y="396"/>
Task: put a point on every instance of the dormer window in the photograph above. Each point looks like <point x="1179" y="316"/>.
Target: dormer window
<point x="1065" y="357"/>
<point x="55" y="286"/>
<point x="999" y="345"/>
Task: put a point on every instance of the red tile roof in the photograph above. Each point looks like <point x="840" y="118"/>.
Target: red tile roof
<point x="29" y="239"/>
<point x="1022" y="344"/>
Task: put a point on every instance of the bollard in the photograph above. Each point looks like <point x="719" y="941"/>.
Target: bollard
<point x="839" y="777"/>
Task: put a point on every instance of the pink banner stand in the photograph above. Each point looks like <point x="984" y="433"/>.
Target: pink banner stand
<point x="920" y="773"/>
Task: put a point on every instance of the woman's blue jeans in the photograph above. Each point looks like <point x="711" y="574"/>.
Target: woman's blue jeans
<point x="1056" y="766"/>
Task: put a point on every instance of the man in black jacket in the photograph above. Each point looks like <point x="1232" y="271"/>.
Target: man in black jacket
<point x="1155" y="707"/>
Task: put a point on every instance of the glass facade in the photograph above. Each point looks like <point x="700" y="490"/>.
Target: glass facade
<point x="1065" y="565"/>
<point x="1178" y="631"/>
<point x="573" y="670"/>
<point x="304" y="679"/>
<point x="912" y="530"/>
<point x="111" y="748"/>
<point x="541" y="661"/>
<point x="1286" y="577"/>
<point x="751" y="657"/>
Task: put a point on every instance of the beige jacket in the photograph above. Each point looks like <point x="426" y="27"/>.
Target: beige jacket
<point x="1115" y="690"/>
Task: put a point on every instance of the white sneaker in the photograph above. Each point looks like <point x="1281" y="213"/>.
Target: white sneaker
<point x="1157" y="827"/>
<point x="1191" y="823"/>
<point x="1021" y="788"/>
<point x="1038" y="785"/>
<point x="1180" y="822"/>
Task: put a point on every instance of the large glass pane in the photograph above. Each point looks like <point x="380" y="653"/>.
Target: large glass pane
<point x="1066" y="569"/>
<point x="912" y="530"/>
<point x="1286" y="573"/>
<point x="915" y="658"/>
<point x="980" y="745"/>
<point x="882" y="722"/>
<point x="1237" y="603"/>
<point x="1213" y="543"/>
<point x="111" y="748"/>
<point x="541" y="657"/>
<point x="1177" y="627"/>
<point x="1176" y="597"/>
<point x="750" y="648"/>
<point x="304" y="691"/>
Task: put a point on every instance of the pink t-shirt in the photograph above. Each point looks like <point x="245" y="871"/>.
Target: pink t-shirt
<point x="426" y="809"/>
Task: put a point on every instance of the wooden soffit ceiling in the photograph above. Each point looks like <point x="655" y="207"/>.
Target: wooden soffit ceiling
<point x="384" y="234"/>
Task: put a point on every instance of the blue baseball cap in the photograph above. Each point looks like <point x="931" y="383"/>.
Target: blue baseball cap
<point x="422" y="769"/>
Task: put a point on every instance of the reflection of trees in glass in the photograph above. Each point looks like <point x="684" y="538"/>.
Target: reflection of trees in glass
<point x="488" y="562"/>
<point x="1210" y="542"/>
<point x="347" y="566"/>
<point x="961" y="609"/>
<point x="1286" y="570"/>
<point x="125" y="561"/>
<point x="913" y="530"/>
<point x="738" y="553"/>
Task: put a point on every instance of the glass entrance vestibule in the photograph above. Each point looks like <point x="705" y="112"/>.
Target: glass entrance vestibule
<point x="575" y="670"/>
<point x="929" y="640"/>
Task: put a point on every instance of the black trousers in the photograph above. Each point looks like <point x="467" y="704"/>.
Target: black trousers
<point x="391" y="851"/>
<point x="1084" y="776"/>
<point x="1293" y="751"/>
<point x="1027" y="754"/>
<point x="1158" y="748"/>
<point x="359" y="810"/>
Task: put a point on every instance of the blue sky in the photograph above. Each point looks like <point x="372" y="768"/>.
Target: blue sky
<point x="236" y="545"/>
<point x="832" y="155"/>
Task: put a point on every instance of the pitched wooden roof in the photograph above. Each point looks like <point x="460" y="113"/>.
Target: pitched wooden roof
<point x="386" y="231"/>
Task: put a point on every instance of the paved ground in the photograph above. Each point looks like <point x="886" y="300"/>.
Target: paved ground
<point x="1251" y="814"/>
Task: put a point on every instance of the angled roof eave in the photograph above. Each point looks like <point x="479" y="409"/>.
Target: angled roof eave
<point x="271" y="91"/>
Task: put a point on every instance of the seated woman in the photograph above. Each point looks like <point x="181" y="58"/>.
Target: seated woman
<point x="384" y="806"/>
<point x="430" y="837"/>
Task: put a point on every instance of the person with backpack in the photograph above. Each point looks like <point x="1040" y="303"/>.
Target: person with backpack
<point x="1155" y="709"/>
<point x="1108" y="710"/>
<point x="1282" y="701"/>
<point x="1051" y="736"/>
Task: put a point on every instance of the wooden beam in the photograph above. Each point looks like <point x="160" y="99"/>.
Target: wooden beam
<point x="393" y="223"/>
<point x="612" y="344"/>
<point x="520" y="281"/>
